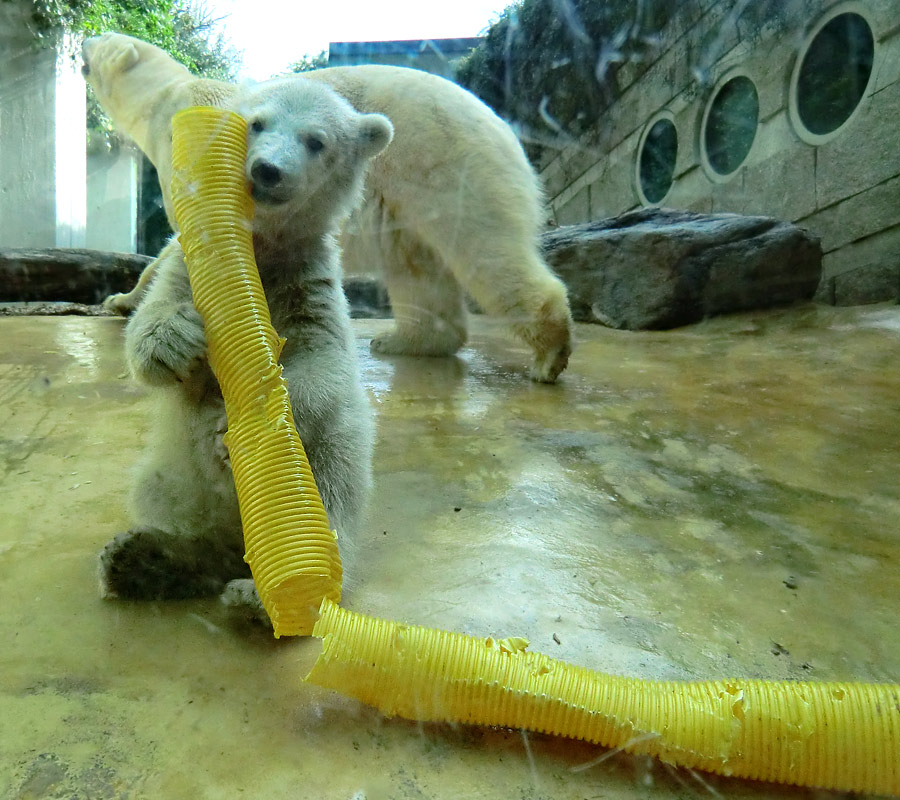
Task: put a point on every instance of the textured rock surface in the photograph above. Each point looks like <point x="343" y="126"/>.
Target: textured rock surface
<point x="64" y="274"/>
<point x="60" y="309"/>
<point x="367" y="297"/>
<point x="659" y="268"/>
<point x="67" y="281"/>
<point x="647" y="269"/>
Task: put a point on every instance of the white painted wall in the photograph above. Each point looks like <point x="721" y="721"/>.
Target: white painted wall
<point x="112" y="190"/>
<point x="42" y="137"/>
<point x="70" y="137"/>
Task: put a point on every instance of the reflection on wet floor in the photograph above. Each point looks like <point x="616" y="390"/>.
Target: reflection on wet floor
<point x="716" y="501"/>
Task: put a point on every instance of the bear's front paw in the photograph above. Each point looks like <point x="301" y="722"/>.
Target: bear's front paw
<point x="169" y="348"/>
<point x="548" y="365"/>
<point x="241" y="596"/>
<point x="121" y="304"/>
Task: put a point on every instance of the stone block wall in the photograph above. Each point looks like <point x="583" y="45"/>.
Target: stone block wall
<point x="844" y="187"/>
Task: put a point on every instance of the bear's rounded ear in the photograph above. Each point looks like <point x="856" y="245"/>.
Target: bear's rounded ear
<point x="127" y="58"/>
<point x="375" y="133"/>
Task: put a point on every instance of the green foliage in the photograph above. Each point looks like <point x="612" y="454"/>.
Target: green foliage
<point x="551" y="65"/>
<point x="183" y="30"/>
<point x="308" y="63"/>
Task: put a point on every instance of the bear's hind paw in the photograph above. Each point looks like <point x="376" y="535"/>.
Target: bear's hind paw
<point x="396" y="343"/>
<point x="150" y="564"/>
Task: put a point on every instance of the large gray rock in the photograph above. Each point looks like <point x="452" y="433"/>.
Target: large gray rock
<point x="659" y="268"/>
<point x="367" y="297"/>
<point x="55" y="309"/>
<point x="64" y="274"/>
<point x="72" y="281"/>
<point x="653" y="268"/>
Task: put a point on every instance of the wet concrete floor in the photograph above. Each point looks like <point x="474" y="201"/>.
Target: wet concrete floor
<point x="716" y="501"/>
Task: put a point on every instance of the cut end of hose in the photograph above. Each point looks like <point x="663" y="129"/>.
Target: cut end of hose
<point x="295" y="602"/>
<point x="416" y="672"/>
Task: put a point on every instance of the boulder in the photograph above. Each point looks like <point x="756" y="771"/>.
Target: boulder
<point x="72" y="281"/>
<point x="661" y="268"/>
<point x="58" y="309"/>
<point x="367" y="297"/>
<point x="646" y="269"/>
<point x="66" y="274"/>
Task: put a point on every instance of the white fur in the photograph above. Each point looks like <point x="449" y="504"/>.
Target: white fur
<point x="452" y="206"/>
<point x="187" y="535"/>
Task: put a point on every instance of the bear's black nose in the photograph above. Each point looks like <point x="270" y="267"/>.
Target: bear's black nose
<point x="265" y="174"/>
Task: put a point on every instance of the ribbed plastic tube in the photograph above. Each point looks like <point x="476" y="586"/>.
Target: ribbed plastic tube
<point x="290" y="547"/>
<point x="830" y="735"/>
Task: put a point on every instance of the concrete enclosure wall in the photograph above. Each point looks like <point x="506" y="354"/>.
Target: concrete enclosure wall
<point x="52" y="194"/>
<point x="42" y="138"/>
<point x="843" y="186"/>
<point x="112" y="191"/>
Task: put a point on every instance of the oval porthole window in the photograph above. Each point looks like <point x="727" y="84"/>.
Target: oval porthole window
<point x="834" y="73"/>
<point x="731" y="121"/>
<point x="656" y="162"/>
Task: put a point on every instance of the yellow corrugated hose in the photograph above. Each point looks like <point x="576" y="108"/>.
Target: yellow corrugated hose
<point x="830" y="735"/>
<point x="291" y="550"/>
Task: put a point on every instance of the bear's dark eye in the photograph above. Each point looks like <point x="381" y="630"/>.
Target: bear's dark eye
<point x="314" y="144"/>
<point x="257" y="126"/>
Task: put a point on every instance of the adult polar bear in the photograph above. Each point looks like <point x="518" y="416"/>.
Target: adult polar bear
<point x="452" y="206"/>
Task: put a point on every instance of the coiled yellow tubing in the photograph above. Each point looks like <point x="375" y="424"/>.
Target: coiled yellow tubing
<point x="290" y="547"/>
<point x="830" y="735"/>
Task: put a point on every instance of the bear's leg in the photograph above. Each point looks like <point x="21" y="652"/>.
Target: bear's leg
<point x="427" y="301"/>
<point x="340" y="455"/>
<point x="540" y="316"/>
<point x="126" y="302"/>
<point x="506" y="276"/>
<point x="340" y="461"/>
<point x="186" y="540"/>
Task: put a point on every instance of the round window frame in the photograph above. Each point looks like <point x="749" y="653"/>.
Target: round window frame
<point x="714" y="175"/>
<point x="662" y="115"/>
<point x="803" y="133"/>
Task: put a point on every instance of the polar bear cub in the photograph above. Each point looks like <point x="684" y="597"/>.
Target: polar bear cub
<point x="308" y="150"/>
